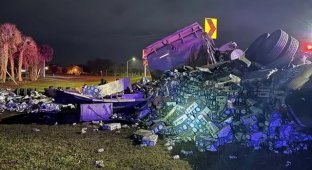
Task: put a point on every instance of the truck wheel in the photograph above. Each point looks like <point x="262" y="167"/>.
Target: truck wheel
<point x="272" y="47"/>
<point x="287" y="55"/>
<point x="255" y="46"/>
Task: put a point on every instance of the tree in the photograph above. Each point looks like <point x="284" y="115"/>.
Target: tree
<point x="30" y="58"/>
<point x="13" y="44"/>
<point x="97" y="65"/>
<point x="16" y="42"/>
<point x="45" y="55"/>
<point x="27" y="44"/>
<point x="10" y="38"/>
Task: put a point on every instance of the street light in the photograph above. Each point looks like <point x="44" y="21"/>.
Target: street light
<point x="132" y="59"/>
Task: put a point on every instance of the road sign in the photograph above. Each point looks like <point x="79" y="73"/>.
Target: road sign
<point x="211" y="27"/>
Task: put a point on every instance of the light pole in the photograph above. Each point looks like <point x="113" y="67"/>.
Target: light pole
<point x="45" y="69"/>
<point x="132" y="59"/>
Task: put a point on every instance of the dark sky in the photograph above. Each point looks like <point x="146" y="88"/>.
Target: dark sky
<point x="80" y="30"/>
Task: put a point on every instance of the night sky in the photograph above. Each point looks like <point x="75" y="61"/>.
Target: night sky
<point x="80" y="30"/>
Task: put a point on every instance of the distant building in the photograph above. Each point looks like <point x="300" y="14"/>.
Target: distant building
<point x="74" y="70"/>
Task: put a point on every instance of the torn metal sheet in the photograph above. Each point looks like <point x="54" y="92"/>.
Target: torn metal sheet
<point x="115" y="87"/>
<point x="94" y="112"/>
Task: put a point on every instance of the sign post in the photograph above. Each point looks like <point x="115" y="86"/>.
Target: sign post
<point x="145" y="63"/>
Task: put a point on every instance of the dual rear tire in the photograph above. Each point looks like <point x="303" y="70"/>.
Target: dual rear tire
<point x="275" y="50"/>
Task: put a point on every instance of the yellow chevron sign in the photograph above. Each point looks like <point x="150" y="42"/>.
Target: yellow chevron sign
<point x="211" y="27"/>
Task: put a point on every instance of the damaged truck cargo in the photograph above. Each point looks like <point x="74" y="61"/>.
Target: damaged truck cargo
<point x="214" y="96"/>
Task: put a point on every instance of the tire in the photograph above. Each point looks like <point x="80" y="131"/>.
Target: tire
<point x="287" y="55"/>
<point x="255" y="46"/>
<point x="272" y="47"/>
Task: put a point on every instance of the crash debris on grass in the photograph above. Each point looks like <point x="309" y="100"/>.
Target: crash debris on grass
<point x="200" y="93"/>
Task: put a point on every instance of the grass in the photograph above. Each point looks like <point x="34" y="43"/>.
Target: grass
<point x="63" y="147"/>
<point x="62" y="81"/>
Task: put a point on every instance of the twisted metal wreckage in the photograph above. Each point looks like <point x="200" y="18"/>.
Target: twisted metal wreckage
<point x="201" y="93"/>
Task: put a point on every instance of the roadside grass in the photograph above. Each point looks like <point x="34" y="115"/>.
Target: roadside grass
<point x="63" y="147"/>
<point x="62" y="81"/>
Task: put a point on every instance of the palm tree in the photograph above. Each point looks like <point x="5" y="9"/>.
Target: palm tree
<point x="31" y="59"/>
<point x="16" y="43"/>
<point x="45" y="55"/>
<point x="6" y="34"/>
<point x="27" y="45"/>
<point x="10" y="37"/>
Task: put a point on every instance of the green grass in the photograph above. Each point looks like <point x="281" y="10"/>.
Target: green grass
<point x="62" y="81"/>
<point x="63" y="147"/>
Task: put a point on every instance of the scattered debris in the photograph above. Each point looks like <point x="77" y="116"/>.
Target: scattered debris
<point x="100" y="150"/>
<point x="186" y="153"/>
<point x="34" y="103"/>
<point x="35" y="130"/>
<point x="135" y="125"/>
<point x="169" y="148"/>
<point x="145" y="137"/>
<point x="176" y="157"/>
<point x="111" y="126"/>
<point x="96" y="122"/>
<point x="125" y="126"/>
<point x="233" y="157"/>
<point x="167" y="144"/>
<point x="150" y="140"/>
<point x="99" y="164"/>
<point x="84" y="130"/>
<point x="287" y="164"/>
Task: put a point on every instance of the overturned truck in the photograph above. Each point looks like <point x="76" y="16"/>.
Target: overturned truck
<point x="215" y="96"/>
